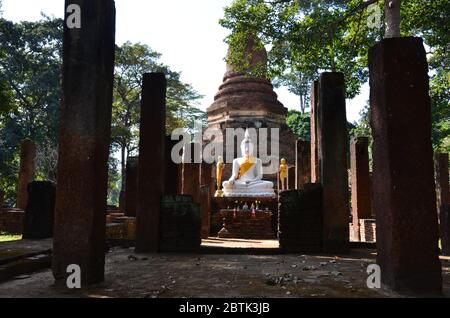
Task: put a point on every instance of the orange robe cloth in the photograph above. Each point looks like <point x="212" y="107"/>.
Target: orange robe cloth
<point x="245" y="166"/>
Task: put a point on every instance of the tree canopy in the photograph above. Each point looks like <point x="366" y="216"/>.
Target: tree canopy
<point x="133" y="60"/>
<point x="312" y="36"/>
<point x="30" y="91"/>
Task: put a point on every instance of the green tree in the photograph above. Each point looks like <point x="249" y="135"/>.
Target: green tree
<point x="308" y="37"/>
<point x="133" y="60"/>
<point x="299" y="123"/>
<point x="30" y="73"/>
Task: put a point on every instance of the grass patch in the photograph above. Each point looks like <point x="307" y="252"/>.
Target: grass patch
<point x="6" y="237"/>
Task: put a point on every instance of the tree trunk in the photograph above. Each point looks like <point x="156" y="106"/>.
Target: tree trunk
<point x="302" y="105"/>
<point x="392" y="14"/>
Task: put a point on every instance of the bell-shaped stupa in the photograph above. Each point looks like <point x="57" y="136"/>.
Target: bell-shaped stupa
<point x="245" y="99"/>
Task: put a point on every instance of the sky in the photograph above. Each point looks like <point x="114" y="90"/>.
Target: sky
<point x="186" y="33"/>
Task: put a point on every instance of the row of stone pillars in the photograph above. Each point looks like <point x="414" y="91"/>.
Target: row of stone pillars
<point x="403" y="186"/>
<point x="404" y="197"/>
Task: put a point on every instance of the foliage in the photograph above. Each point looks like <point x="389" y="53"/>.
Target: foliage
<point x="300" y="124"/>
<point x="313" y="36"/>
<point x="133" y="60"/>
<point x="30" y="73"/>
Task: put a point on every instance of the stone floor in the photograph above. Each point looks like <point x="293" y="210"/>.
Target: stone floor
<point x="215" y="275"/>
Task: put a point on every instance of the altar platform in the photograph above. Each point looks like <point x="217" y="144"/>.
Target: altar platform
<point x="261" y="224"/>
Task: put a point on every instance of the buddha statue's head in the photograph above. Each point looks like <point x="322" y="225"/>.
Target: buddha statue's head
<point x="247" y="145"/>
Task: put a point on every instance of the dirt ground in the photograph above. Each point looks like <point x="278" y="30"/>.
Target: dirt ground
<point x="218" y="275"/>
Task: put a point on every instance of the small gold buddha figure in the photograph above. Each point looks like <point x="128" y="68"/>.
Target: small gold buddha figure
<point x="219" y="170"/>
<point x="283" y="173"/>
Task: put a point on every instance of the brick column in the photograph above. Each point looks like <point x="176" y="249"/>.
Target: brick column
<point x="84" y="139"/>
<point x="191" y="172"/>
<point x="291" y="178"/>
<point x="205" y="197"/>
<point x="172" y="170"/>
<point x="302" y="163"/>
<point x="39" y="214"/>
<point x="361" y="199"/>
<point x="442" y="179"/>
<point x="26" y="171"/>
<point x="131" y="186"/>
<point x="443" y="199"/>
<point x="332" y="152"/>
<point x="403" y="186"/>
<point x="314" y="153"/>
<point x="151" y="179"/>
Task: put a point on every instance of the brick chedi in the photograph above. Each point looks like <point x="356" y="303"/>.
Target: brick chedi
<point x="247" y="100"/>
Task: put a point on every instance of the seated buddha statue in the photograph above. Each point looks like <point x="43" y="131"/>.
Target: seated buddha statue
<point x="246" y="179"/>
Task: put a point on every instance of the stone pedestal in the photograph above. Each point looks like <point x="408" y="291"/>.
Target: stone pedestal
<point x="245" y="224"/>
<point x="39" y="214"/>
<point x="26" y="172"/>
<point x="302" y="163"/>
<point x="85" y="129"/>
<point x="180" y="224"/>
<point x="131" y="186"/>
<point x="315" y="177"/>
<point x="404" y="196"/>
<point x="151" y="180"/>
<point x="332" y="153"/>
<point x="361" y="198"/>
<point x="300" y="220"/>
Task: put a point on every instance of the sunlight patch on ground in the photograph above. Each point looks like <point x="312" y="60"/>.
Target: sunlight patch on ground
<point x="4" y="237"/>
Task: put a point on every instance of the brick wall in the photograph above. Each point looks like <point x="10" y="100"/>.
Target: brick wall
<point x="245" y="224"/>
<point x="11" y="221"/>
<point x="368" y="230"/>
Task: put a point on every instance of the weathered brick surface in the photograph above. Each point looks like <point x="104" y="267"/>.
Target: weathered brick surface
<point x="131" y="186"/>
<point x="39" y="214"/>
<point x="444" y="220"/>
<point x="302" y="163"/>
<point x="332" y="137"/>
<point x="291" y="178"/>
<point x="11" y="221"/>
<point x="191" y="172"/>
<point x="368" y="230"/>
<point x="26" y="172"/>
<point x="442" y="178"/>
<point x="245" y="224"/>
<point x="315" y="171"/>
<point x="206" y="182"/>
<point x="180" y="224"/>
<point x="300" y="219"/>
<point x="84" y="139"/>
<point x="151" y="180"/>
<point x="172" y="171"/>
<point x="360" y="182"/>
<point x="403" y="186"/>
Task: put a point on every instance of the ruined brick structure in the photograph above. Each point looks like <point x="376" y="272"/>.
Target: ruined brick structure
<point x="247" y="101"/>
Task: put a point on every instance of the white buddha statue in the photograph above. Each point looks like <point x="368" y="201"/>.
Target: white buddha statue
<point x="246" y="178"/>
